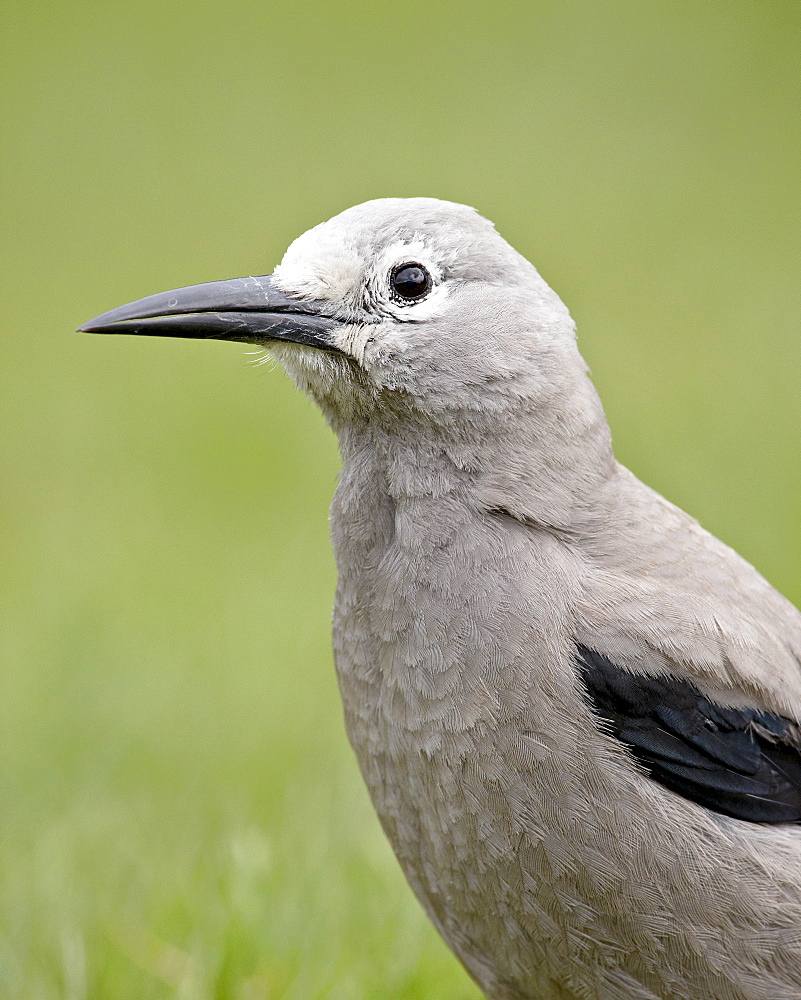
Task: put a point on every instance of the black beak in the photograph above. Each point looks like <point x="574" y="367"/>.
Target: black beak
<point x="251" y="310"/>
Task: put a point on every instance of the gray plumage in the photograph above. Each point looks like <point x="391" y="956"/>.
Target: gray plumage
<point x="483" y="532"/>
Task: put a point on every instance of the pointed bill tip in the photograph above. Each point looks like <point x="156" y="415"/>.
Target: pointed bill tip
<point x="248" y="310"/>
<point x="93" y="326"/>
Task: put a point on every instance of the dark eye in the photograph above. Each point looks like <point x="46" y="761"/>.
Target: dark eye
<point x="410" y="282"/>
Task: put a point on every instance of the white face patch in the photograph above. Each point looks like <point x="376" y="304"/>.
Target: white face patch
<point x="395" y="329"/>
<point x="402" y="252"/>
<point x="320" y="265"/>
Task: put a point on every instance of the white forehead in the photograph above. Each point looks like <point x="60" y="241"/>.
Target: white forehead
<point x="323" y="263"/>
<point x="326" y="264"/>
<point x="361" y="245"/>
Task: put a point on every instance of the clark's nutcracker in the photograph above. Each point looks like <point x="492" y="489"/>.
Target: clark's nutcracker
<point x="578" y="714"/>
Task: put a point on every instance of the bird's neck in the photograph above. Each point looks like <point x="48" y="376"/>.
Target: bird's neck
<point x="545" y="465"/>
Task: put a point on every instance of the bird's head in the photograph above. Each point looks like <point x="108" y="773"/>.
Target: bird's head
<point x="395" y="309"/>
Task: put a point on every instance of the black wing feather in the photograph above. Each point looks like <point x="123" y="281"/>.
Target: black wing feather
<point x="741" y="762"/>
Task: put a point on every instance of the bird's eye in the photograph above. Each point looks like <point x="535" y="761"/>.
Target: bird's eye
<point x="410" y="282"/>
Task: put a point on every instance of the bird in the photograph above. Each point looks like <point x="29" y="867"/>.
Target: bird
<point x="577" y="713"/>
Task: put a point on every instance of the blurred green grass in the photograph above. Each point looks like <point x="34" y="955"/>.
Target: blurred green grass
<point x="181" y="816"/>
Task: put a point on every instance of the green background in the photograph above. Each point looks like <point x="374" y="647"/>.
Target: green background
<point x="181" y="815"/>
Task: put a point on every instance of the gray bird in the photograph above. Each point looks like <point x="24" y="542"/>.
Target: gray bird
<point x="577" y="713"/>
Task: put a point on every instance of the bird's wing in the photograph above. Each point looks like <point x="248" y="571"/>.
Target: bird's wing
<point x="738" y="761"/>
<point x="693" y="661"/>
